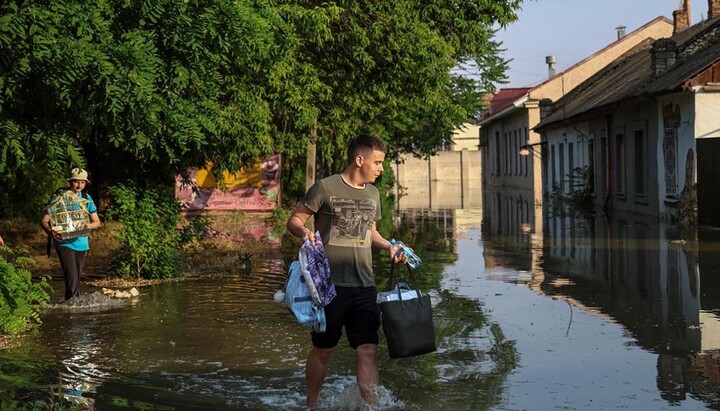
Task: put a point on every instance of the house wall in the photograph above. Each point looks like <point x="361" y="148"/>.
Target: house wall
<point x="506" y="167"/>
<point x="707" y="123"/>
<point x="634" y="142"/>
<point x="466" y="137"/>
<point x="573" y="144"/>
<point x="628" y="157"/>
<point x="675" y="112"/>
<point x="650" y="153"/>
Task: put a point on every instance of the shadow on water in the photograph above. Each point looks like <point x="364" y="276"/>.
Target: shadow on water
<point x="223" y="343"/>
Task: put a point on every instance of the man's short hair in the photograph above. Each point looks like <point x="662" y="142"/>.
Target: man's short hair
<point x="364" y="145"/>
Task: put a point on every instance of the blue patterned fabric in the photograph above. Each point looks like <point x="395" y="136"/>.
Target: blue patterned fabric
<point x="309" y="287"/>
<point x="316" y="268"/>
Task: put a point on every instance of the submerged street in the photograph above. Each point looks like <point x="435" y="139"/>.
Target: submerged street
<point x="519" y="326"/>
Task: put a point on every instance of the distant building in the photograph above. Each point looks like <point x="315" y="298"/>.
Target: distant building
<point x="644" y="132"/>
<point x="466" y="137"/>
<point x="512" y="173"/>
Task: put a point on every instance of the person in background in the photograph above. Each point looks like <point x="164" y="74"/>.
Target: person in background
<point x="2" y="243"/>
<point x="71" y="252"/>
<point x="346" y="207"/>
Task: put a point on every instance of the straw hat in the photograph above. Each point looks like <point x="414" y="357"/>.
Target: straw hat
<point x="78" y="174"/>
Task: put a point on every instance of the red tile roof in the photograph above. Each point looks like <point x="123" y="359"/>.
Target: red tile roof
<point x="504" y="98"/>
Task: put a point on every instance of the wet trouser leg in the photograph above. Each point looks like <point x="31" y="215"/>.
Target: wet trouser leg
<point x="71" y="262"/>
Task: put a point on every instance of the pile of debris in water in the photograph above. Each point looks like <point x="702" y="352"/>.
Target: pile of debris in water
<point x="107" y="297"/>
<point x="133" y="292"/>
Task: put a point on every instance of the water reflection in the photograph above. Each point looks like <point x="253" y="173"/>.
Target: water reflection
<point x="635" y="271"/>
<point x="652" y="280"/>
<point x="598" y="313"/>
<point x="222" y="343"/>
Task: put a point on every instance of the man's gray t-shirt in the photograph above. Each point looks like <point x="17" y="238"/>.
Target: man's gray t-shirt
<point x="344" y="216"/>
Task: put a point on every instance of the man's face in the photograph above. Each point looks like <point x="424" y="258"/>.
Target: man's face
<point x="372" y="166"/>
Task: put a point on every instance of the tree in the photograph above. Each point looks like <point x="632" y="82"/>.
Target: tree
<point x="387" y="69"/>
<point x="140" y="90"/>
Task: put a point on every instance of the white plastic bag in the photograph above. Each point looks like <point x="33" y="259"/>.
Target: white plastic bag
<point x="401" y="291"/>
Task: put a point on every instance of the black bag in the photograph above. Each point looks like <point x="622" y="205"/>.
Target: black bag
<point x="407" y="322"/>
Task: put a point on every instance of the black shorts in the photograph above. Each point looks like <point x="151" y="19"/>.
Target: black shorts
<point x="355" y="308"/>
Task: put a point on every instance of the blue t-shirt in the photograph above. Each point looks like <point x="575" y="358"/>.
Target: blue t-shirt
<point x="80" y="243"/>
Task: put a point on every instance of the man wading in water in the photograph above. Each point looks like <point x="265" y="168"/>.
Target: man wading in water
<point x="346" y="207"/>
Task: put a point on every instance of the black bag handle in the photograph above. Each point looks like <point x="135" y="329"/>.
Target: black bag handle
<point x="394" y="280"/>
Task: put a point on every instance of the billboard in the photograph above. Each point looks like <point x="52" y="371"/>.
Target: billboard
<point x="253" y="189"/>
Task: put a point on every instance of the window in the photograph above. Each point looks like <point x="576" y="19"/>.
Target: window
<point x="591" y="165"/>
<point x="603" y="163"/>
<point x="640" y="163"/>
<point x="571" y="166"/>
<point x="515" y="153"/>
<point x="507" y="154"/>
<point x="554" y="171"/>
<point x="621" y="169"/>
<point x="561" y="163"/>
<point x="497" y="153"/>
<point x="525" y="158"/>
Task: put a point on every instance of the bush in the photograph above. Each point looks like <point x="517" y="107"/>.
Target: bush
<point x="577" y="202"/>
<point x="20" y="296"/>
<point x="151" y="240"/>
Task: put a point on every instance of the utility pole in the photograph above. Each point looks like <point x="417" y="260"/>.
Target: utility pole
<point x="310" y="166"/>
<point x="311" y="157"/>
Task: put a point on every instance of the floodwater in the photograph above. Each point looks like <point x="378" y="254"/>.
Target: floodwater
<point x="599" y="314"/>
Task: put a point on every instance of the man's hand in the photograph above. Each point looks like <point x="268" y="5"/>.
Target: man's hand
<point x="397" y="255"/>
<point x="310" y="236"/>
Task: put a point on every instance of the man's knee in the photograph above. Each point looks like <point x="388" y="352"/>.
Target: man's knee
<point x="367" y="352"/>
<point x="321" y="355"/>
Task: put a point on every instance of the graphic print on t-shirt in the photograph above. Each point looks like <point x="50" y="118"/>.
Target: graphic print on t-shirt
<point x="352" y="221"/>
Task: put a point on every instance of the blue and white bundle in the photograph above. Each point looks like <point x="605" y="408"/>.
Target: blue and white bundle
<point x="309" y="286"/>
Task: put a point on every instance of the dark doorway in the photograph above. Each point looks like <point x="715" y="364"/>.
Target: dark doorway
<point x="708" y="188"/>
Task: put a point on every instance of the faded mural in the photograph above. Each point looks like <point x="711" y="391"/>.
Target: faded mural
<point x="254" y="189"/>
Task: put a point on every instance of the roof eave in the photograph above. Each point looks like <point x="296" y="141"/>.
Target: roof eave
<point x="517" y="104"/>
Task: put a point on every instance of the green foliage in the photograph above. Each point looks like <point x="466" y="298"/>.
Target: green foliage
<point x="151" y="242"/>
<point x="579" y="200"/>
<point x="386" y="68"/>
<point x="278" y="220"/>
<point x="140" y="90"/>
<point x="20" y="297"/>
<point x="143" y="88"/>
<point x="25" y="194"/>
<point x="385" y="185"/>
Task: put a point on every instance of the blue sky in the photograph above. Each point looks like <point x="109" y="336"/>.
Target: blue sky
<point x="573" y="30"/>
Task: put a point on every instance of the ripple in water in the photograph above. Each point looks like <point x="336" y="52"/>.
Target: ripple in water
<point x="91" y="302"/>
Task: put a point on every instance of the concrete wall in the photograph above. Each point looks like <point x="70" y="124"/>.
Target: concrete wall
<point x="450" y="179"/>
